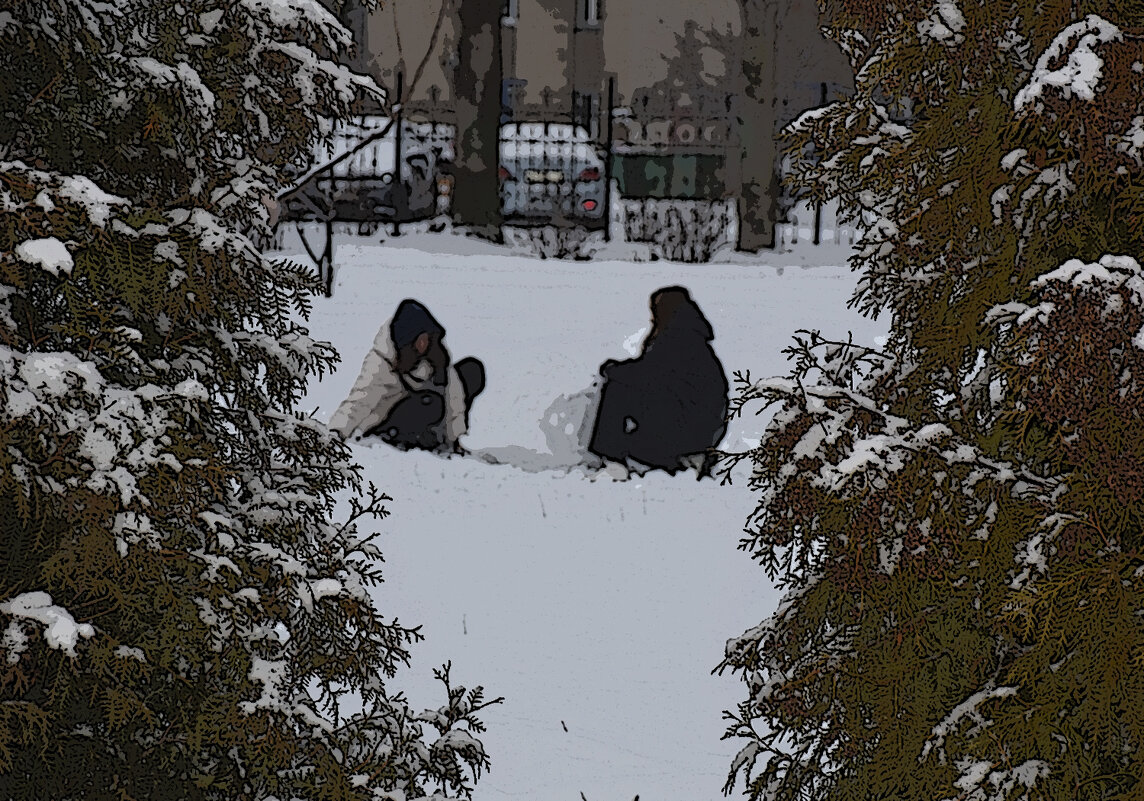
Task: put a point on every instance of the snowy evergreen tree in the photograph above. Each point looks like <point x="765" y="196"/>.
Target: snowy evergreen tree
<point x="179" y="615"/>
<point x="957" y="516"/>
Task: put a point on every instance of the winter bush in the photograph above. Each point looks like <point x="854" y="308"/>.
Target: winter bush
<point x="564" y="241"/>
<point x="181" y="618"/>
<point x="956" y="516"/>
<point x="679" y="230"/>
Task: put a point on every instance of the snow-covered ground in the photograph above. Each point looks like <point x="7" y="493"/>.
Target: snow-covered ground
<point x="597" y="607"/>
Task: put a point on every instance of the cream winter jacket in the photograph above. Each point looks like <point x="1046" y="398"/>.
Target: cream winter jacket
<point x="379" y="388"/>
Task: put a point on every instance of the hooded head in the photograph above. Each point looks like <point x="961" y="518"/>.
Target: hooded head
<point x="410" y="321"/>
<point x="417" y="335"/>
<point x="673" y="312"/>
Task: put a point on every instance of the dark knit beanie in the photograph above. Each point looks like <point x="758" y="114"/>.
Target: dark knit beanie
<point x="411" y="321"/>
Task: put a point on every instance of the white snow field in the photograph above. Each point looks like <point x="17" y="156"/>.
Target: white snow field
<point x="598" y="608"/>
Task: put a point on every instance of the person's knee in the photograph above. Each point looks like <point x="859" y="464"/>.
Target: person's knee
<point x="413" y="414"/>
<point x="472" y="374"/>
<point x="430" y="407"/>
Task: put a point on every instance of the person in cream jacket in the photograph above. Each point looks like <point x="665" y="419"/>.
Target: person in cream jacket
<point x="408" y="392"/>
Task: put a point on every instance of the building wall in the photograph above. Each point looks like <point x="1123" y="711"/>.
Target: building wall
<point x="641" y="41"/>
<point x="543" y="50"/>
<point x="397" y="37"/>
<point x="672" y="50"/>
<point x="805" y="60"/>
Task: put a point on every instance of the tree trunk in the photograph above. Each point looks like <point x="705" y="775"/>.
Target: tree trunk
<point x="755" y="119"/>
<point x="477" y="94"/>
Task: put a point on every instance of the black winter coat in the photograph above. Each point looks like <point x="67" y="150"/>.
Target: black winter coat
<point x="669" y="402"/>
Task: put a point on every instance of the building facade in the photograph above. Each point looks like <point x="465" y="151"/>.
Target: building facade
<point x="671" y="57"/>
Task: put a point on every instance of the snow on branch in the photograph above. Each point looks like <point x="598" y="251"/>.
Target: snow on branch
<point x="49" y="254"/>
<point x="978" y="781"/>
<point x="886" y="448"/>
<point x="95" y="202"/>
<point x="1033" y="552"/>
<point x="852" y="43"/>
<point x="310" y="592"/>
<point x="756" y="639"/>
<point x="1110" y="269"/>
<point x="967" y="709"/>
<point x="78" y="189"/>
<point x="1110" y="274"/>
<point x="198" y="98"/>
<point x="212" y="234"/>
<point x="343" y="81"/>
<point x="61" y="631"/>
<point x="1015" y="160"/>
<point x="880" y="453"/>
<point x="943" y="25"/>
<point x="1080" y="73"/>
<point x="120" y="432"/>
<point x="78" y="16"/>
<point x="299" y="15"/>
<point x="1132" y="141"/>
<point x="804" y="122"/>
<point x="270" y="674"/>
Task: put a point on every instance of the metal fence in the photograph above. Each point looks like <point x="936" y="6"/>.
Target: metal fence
<point x="807" y="223"/>
<point x="371" y="170"/>
<point x="671" y="171"/>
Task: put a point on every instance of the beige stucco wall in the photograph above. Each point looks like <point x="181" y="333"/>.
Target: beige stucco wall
<point x="398" y="36"/>
<point x="543" y="47"/>
<point x="639" y="40"/>
<point x="804" y="58"/>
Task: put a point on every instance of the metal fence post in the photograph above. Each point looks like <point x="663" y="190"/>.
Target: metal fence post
<point x="608" y="160"/>
<point x="328" y="257"/>
<point x="398" y="193"/>
<point x="326" y="263"/>
<point x="818" y="203"/>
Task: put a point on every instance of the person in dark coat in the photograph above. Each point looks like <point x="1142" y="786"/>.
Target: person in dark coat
<point x="408" y="392"/>
<point x="670" y="402"/>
